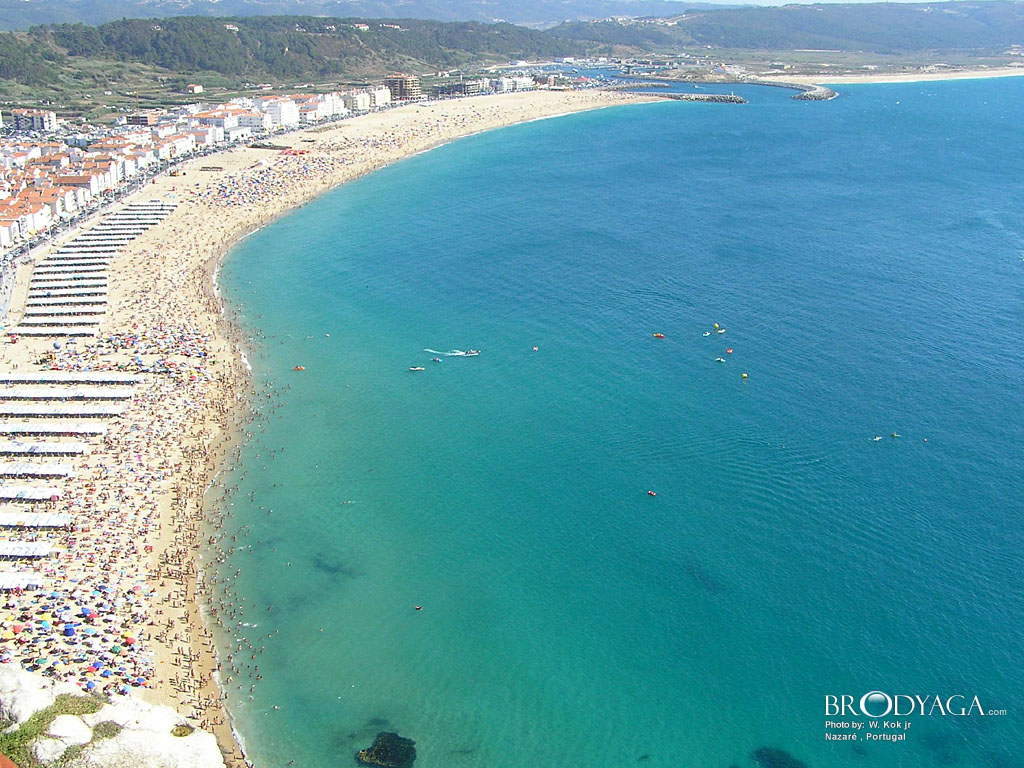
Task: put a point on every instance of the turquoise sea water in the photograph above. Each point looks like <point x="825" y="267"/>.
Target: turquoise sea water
<point x="865" y="257"/>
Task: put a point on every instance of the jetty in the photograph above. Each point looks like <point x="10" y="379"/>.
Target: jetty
<point x="714" y="98"/>
<point x="805" y="92"/>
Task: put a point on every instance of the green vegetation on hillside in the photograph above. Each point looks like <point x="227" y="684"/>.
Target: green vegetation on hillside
<point x="299" y="46"/>
<point x="27" y="63"/>
<point x="877" y="27"/>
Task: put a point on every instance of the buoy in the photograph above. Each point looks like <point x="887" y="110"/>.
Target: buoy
<point x="716" y="325"/>
<point x="744" y="375"/>
<point x="299" y="368"/>
<point x="659" y="335"/>
<point x="729" y="350"/>
<point x="651" y="493"/>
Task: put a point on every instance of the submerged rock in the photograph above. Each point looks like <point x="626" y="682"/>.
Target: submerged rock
<point x="389" y="750"/>
<point x="768" y="757"/>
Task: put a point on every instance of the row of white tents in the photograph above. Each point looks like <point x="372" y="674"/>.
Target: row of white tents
<point x="49" y="417"/>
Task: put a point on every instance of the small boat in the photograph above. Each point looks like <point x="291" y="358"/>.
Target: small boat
<point x="729" y="351"/>
<point x="417" y="368"/>
<point x="719" y="359"/>
<point x="299" y="368"/>
<point x="707" y="333"/>
<point x="895" y="434"/>
<point x="651" y="493"/>
<point x="876" y="438"/>
<point x="720" y="330"/>
<point x="659" y="335"/>
<point x="472" y="352"/>
<point x="437" y="359"/>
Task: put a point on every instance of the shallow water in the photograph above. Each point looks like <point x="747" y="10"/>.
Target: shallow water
<point x="865" y="257"/>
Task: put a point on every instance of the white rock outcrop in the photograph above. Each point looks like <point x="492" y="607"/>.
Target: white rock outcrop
<point x="151" y="749"/>
<point x="70" y="729"/>
<point x="22" y="694"/>
<point x="47" y="750"/>
<point x="146" y="738"/>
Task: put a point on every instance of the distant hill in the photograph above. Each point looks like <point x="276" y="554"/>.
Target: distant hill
<point x="22" y="14"/>
<point x="244" y="49"/>
<point x="296" y="47"/>
<point x="875" y="27"/>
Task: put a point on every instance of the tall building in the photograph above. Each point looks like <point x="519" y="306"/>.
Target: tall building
<point x="404" y="87"/>
<point x="148" y="117"/>
<point x="380" y="97"/>
<point x="34" y="120"/>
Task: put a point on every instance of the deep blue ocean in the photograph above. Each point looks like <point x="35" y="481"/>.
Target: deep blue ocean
<point x="865" y="257"/>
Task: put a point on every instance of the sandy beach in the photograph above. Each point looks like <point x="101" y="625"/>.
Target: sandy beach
<point x="137" y="495"/>
<point x="903" y="77"/>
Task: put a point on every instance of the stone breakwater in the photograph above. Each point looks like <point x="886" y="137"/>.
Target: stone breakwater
<point x="809" y="92"/>
<point x="715" y="98"/>
<point x="806" y="92"/>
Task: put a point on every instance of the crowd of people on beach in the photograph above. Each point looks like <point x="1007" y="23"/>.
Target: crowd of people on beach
<point x="124" y="590"/>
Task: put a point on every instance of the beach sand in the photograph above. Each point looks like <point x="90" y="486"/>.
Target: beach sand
<point x="899" y="77"/>
<point x="138" y="497"/>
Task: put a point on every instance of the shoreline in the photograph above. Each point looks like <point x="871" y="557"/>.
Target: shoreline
<point x="163" y="285"/>
<point x="896" y="77"/>
<point x="234" y="435"/>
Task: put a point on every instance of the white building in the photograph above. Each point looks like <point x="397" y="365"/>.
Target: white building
<point x="221" y="118"/>
<point x="357" y="102"/>
<point x="34" y="120"/>
<point x="283" y="112"/>
<point x="380" y="97"/>
<point x="9" y="231"/>
<point x="255" y="121"/>
<point x="241" y="133"/>
<point x="514" y="83"/>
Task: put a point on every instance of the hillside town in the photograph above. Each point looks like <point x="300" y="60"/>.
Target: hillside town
<point x="54" y="173"/>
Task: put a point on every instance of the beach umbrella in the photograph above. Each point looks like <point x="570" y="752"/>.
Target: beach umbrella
<point x="90" y="685"/>
<point x="6" y="635"/>
<point x="106" y="673"/>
